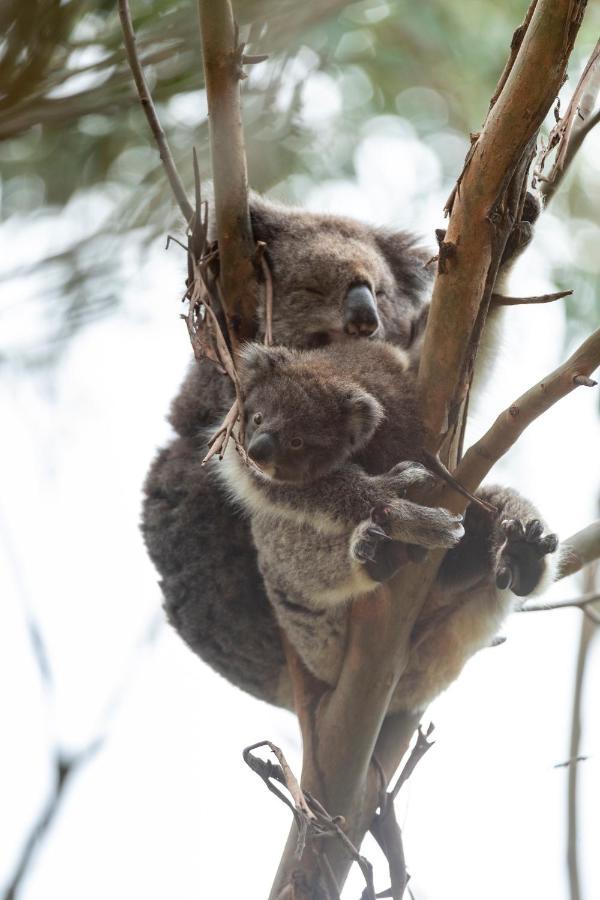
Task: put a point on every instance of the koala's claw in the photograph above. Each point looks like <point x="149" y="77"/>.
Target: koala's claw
<point x="522" y="557"/>
<point x="365" y="541"/>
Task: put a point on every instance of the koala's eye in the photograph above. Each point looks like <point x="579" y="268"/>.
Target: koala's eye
<point x="296" y="443"/>
<point x="257" y="418"/>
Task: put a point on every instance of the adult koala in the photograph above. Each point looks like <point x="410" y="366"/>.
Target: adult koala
<point x="334" y="279"/>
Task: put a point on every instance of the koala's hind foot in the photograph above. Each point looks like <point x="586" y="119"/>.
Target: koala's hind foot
<point x="425" y="526"/>
<point x="521" y="559"/>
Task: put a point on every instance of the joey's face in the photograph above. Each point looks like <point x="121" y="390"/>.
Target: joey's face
<point x="301" y="422"/>
<point x="293" y="435"/>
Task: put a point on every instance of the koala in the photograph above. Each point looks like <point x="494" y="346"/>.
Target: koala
<point x="335" y="281"/>
<point x="328" y="508"/>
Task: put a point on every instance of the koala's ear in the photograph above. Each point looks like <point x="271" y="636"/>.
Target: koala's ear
<point x="365" y="413"/>
<point x="256" y="361"/>
<point x="406" y="259"/>
<point x="267" y="219"/>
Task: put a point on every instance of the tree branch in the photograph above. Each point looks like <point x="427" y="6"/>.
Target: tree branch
<point x="502" y="300"/>
<point x="148" y="106"/>
<point x="571" y="130"/>
<point x="511" y="423"/>
<point x="577" y="603"/>
<point x="222" y="58"/>
<point x="585" y="640"/>
<point x="475" y="226"/>
<point x="342" y="728"/>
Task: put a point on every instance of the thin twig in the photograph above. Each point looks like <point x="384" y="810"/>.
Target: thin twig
<point x="502" y="300"/>
<point x="570" y="130"/>
<point x="268" y="301"/>
<point x="312" y="819"/>
<point x="422" y="745"/>
<point x="151" y="114"/>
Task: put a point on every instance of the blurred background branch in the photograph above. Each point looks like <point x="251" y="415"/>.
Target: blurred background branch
<point x="71" y="128"/>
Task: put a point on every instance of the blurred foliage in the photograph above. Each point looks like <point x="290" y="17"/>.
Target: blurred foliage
<point x="71" y="127"/>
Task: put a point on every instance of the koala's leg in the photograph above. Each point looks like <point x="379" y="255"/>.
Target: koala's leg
<point x="213" y="593"/>
<point x="510" y="547"/>
<point x="469" y="601"/>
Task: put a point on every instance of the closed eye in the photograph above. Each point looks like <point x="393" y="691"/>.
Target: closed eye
<point x="312" y="291"/>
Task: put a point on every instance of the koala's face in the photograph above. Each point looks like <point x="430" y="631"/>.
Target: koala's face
<point x="336" y="279"/>
<point x="298" y="425"/>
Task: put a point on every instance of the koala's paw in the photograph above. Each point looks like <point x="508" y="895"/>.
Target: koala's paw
<point x="522" y="232"/>
<point x="381" y="556"/>
<point x="423" y="526"/>
<point x="405" y="475"/>
<point x="366" y="540"/>
<point x="521" y="561"/>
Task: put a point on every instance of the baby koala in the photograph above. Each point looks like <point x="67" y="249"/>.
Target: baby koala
<point x="325" y="471"/>
<point x="334" y="438"/>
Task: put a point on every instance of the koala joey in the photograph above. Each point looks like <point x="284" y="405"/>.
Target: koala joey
<point x="335" y="280"/>
<point x="334" y="438"/>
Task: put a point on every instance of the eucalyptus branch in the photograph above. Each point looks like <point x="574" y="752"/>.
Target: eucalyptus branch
<point x="342" y="728"/>
<point x="151" y="114"/>
<point x="577" y="603"/>
<point x="477" y="229"/>
<point x="570" y="131"/>
<point x="222" y="59"/>
<point x="502" y="300"/>
<point x="511" y="423"/>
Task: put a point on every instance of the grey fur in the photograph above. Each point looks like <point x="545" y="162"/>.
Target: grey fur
<point x="200" y="544"/>
<point x="198" y="541"/>
<point x="319" y="504"/>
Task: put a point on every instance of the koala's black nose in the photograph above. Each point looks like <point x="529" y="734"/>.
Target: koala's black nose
<point x="261" y="448"/>
<point x="360" y="311"/>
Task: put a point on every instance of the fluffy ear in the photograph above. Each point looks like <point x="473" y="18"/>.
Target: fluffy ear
<point x="365" y="413"/>
<point x="406" y="259"/>
<point x="256" y="361"/>
<point x="268" y="219"/>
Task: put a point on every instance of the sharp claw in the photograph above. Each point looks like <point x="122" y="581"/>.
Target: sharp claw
<point x="534" y="531"/>
<point x="549" y="543"/>
<point x="364" y="553"/>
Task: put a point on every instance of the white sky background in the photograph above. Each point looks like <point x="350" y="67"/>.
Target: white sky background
<point x="167" y="807"/>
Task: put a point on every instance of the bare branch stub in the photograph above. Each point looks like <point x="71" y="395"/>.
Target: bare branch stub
<point x="312" y="819"/>
<point x="502" y="300"/>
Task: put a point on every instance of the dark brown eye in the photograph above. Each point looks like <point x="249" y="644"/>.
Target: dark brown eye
<point x="257" y="418"/>
<point x="296" y="443"/>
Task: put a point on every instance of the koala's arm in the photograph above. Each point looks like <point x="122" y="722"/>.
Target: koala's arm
<point x="332" y="504"/>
